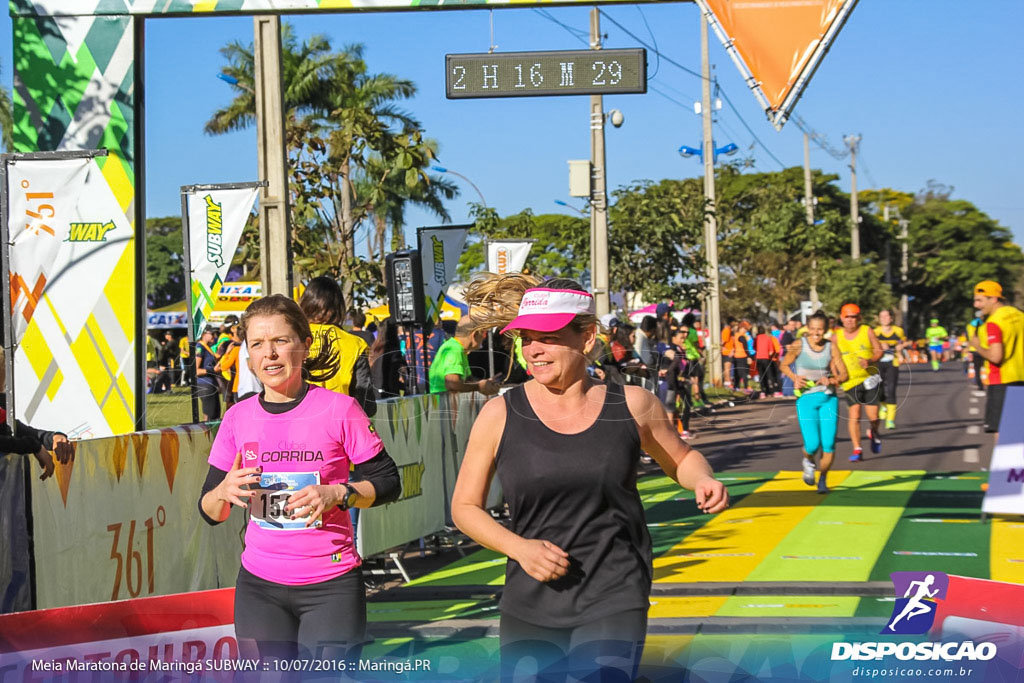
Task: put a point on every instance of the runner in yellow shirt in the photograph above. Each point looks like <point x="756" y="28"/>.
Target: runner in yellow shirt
<point x="859" y="348"/>
<point x="893" y="340"/>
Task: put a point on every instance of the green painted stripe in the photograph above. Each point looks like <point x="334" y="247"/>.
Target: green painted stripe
<point x="789" y="606"/>
<point x="482" y="568"/>
<point x="432" y="610"/>
<point x="940" y="530"/>
<point x="840" y="539"/>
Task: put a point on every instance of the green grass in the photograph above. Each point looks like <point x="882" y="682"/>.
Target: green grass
<point x="168" y="409"/>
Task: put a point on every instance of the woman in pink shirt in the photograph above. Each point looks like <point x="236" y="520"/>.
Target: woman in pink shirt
<point x="285" y="455"/>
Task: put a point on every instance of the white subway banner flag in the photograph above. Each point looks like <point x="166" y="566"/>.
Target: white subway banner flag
<point x="216" y="219"/>
<point x="440" y="250"/>
<point x="72" y="274"/>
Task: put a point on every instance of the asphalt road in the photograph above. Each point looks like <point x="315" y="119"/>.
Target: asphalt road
<point x="939" y="429"/>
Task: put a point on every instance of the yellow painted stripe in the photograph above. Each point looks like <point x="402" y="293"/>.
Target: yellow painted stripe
<point x="841" y="540"/>
<point x="1006" y="550"/>
<point x="681" y="607"/>
<point x="730" y="546"/>
<point x="665" y="650"/>
<point x="205" y="6"/>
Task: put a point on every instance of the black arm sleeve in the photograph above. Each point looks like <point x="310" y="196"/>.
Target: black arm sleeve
<point x="362" y="389"/>
<point x="22" y="445"/>
<point x="213" y="479"/>
<point x="41" y="435"/>
<point x="382" y="472"/>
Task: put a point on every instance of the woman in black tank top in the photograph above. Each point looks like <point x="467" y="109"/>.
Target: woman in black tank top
<point x="565" y="448"/>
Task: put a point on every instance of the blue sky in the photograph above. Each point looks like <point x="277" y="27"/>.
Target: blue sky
<point x="932" y="88"/>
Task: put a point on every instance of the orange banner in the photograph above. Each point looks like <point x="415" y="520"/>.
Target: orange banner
<point x="779" y="42"/>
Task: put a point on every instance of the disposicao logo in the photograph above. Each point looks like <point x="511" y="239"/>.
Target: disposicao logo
<point x="914" y="613"/>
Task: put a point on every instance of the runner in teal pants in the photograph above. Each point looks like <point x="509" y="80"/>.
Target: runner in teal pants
<point x="815" y="366"/>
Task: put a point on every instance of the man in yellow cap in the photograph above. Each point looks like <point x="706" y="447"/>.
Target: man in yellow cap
<point x="1001" y="344"/>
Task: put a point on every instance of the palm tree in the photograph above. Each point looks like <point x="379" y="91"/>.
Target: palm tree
<point x="394" y="199"/>
<point x="338" y="118"/>
<point x="307" y="69"/>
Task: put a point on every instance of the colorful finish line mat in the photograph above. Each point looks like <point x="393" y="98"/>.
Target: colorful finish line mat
<point x="777" y="533"/>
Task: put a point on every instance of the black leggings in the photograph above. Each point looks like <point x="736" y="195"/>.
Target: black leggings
<point x="890" y="379"/>
<point x="606" y="650"/>
<point x="768" y="374"/>
<point x="325" y="620"/>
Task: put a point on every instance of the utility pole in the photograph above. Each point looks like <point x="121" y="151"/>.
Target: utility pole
<point x="598" y="187"/>
<point x="888" y="259"/>
<point x="714" y="321"/>
<point x="904" y="273"/>
<point x="275" y="245"/>
<point x="809" y="206"/>
<point x="852" y="141"/>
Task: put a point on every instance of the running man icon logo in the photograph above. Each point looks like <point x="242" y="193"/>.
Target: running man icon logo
<point x="914" y="613"/>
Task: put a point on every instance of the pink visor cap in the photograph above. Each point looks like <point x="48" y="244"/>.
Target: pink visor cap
<point x="547" y="310"/>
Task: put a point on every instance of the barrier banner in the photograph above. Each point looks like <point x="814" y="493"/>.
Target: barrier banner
<point x="120" y="521"/>
<point x="440" y="250"/>
<point x="777" y="45"/>
<point x="426" y="435"/>
<point x="148" y="639"/>
<point x="72" y="275"/>
<point x="216" y="219"/>
<point x="507" y="256"/>
<point x="15" y="586"/>
<point x="1005" y="492"/>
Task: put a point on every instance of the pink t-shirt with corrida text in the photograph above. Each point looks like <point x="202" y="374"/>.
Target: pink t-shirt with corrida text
<point x="319" y="438"/>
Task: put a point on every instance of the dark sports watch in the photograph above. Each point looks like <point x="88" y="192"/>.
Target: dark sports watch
<point x="349" y="500"/>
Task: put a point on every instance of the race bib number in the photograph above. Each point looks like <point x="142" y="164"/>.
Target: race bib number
<point x="266" y="508"/>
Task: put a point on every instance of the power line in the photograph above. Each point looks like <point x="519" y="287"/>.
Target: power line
<point x="652" y="49"/>
<point x="864" y="165"/>
<point x="687" y="95"/>
<point x="668" y="97"/>
<point x="653" y="40"/>
<point x="694" y="73"/>
<point x="574" y="32"/>
<point x="818" y="138"/>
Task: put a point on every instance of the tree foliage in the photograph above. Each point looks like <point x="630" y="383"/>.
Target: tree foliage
<point x="655" y="239"/>
<point x="562" y="248"/>
<point x="165" y="267"/>
<point x="356" y="160"/>
<point x="953" y="246"/>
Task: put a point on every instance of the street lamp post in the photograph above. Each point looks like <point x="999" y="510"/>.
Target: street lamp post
<point x="570" y="206"/>
<point x="442" y="169"/>
<point x="725" y="150"/>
